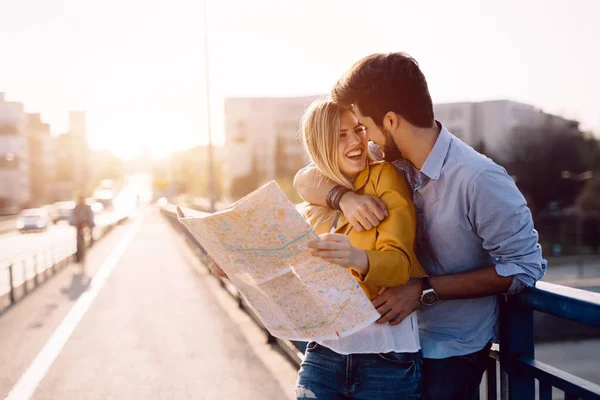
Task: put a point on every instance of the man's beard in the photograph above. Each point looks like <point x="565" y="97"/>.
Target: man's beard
<point x="390" y="150"/>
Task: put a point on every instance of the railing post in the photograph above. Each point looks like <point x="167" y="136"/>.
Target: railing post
<point x="47" y="265"/>
<point x="53" y="261"/>
<point x="503" y="383"/>
<point x="491" y="379"/>
<point x="35" y="269"/>
<point x="516" y="342"/>
<point x="24" y="267"/>
<point x="12" y="286"/>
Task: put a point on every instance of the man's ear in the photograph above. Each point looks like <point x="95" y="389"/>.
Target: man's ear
<point x="391" y="121"/>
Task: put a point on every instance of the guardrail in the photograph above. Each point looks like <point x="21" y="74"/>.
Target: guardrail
<point x="25" y="271"/>
<point x="520" y="369"/>
<point x="512" y="368"/>
<point x="293" y="350"/>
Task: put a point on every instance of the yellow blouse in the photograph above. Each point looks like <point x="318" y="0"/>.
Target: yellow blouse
<point x="389" y="246"/>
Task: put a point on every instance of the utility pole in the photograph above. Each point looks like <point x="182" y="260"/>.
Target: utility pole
<point x="211" y="167"/>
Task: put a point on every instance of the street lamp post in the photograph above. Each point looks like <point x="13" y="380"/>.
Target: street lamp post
<point x="211" y="170"/>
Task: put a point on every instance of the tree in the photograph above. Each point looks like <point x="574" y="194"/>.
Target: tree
<point x="537" y="157"/>
<point x="589" y="199"/>
<point x="190" y="167"/>
<point x="106" y="165"/>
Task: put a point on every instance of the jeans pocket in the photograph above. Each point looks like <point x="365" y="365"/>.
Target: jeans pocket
<point x="406" y="359"/>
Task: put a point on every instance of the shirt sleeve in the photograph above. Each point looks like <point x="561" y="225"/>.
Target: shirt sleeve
<point x="393" y="260"/>
<point x="499" y="214"/>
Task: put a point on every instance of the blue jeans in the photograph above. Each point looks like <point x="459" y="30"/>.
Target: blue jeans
<point x="327" y="375"/>
<point x="454" y="378"/>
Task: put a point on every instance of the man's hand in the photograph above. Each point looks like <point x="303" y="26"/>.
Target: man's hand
<point x="362" y="211"/>
<point x="397" y="303"/>
<point x="214" y="267"/>
<point x="336" y="249"/>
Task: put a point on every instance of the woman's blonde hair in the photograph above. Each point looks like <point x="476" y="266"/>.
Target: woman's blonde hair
<point x="320" y="136"/>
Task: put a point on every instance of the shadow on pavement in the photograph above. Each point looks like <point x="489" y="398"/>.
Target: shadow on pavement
<point x="79" y="284"/>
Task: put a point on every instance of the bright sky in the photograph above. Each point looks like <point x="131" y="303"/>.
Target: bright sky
<point x="137" y="66"/>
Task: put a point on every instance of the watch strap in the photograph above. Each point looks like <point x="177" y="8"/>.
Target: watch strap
<point x="425" y="283"/>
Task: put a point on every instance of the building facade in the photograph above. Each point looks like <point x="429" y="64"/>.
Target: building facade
<point x="262" y="134"/>
<point x="42" y="159"/>
<point x="262" y="143"/>
<point x="490" y="124"/>
<point x="73" y="170"/>
<point x="80" y="150"/>
<point x="14" y="157"/>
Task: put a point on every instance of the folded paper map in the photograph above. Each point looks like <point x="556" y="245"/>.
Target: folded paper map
<point x="261" y="243"/>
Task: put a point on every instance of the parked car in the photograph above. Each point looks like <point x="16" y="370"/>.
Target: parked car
<point x="33" y="219"/>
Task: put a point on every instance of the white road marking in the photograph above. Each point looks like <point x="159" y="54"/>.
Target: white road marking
<point x="29" y="381"/>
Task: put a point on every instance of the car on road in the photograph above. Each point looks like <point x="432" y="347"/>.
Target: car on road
<point x="33" y="219"/>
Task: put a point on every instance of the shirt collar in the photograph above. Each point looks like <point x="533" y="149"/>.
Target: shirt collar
<point x="432" y="167"/>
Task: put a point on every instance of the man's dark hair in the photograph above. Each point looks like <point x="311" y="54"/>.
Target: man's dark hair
<point x="380" y="83"/>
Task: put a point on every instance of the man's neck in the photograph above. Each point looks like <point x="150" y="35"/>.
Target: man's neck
<point x="422" y="142"/>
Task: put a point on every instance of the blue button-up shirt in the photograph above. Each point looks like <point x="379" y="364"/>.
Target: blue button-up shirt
<point x="470" y="215"/>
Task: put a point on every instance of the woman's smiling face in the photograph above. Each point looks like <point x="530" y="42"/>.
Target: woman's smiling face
<point x="352" y="145"/>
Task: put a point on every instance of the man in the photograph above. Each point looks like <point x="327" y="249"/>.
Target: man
<point x="475" y="234"/>
<point x="82" y="217"/>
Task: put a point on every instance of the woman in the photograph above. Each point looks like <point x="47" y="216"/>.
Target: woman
<point x="379" y="361"/>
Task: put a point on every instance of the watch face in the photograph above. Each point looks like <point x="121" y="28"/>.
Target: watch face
<point x="429" y="298"/>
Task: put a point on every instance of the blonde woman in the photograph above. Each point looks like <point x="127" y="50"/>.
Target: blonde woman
<point x="380" y="361"/>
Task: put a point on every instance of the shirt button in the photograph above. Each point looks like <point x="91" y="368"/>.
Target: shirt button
<point x="419" y="211"/>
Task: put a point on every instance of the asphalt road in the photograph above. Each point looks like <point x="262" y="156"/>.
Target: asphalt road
<point x="151" y="324"/>
<point x="28" y="252"/>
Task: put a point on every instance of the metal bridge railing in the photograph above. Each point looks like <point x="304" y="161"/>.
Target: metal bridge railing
<point x="517" y="360"/>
